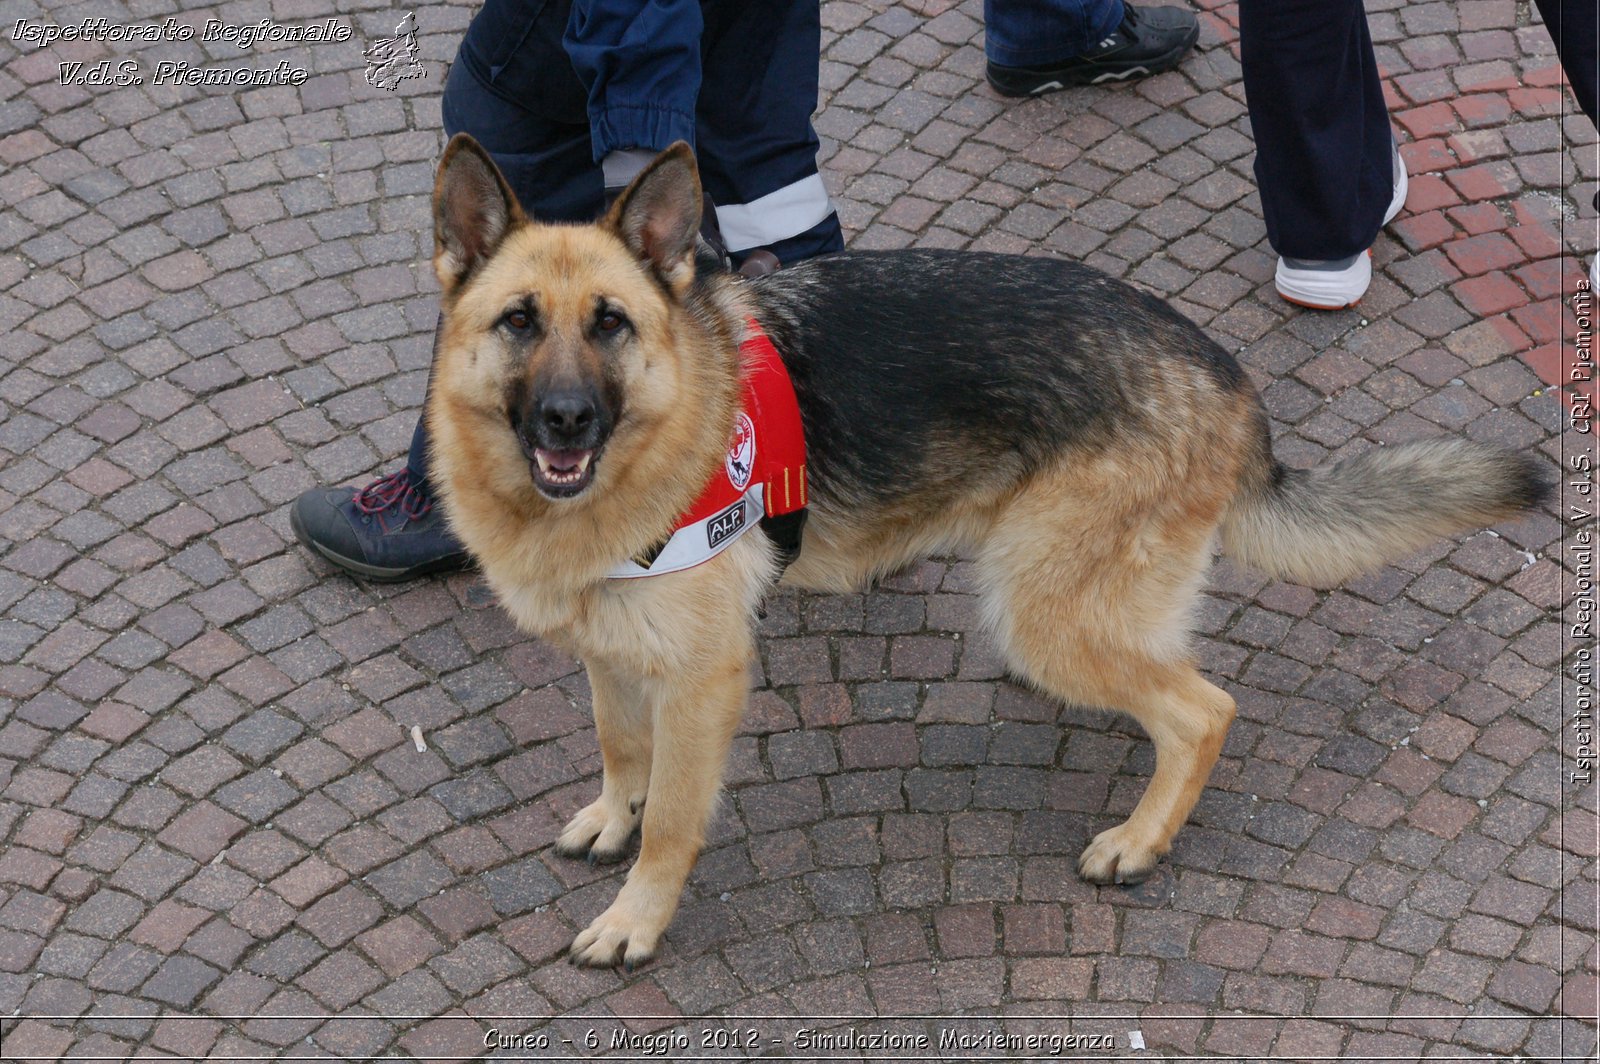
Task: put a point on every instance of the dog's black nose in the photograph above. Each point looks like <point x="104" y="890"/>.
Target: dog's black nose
<point x="566" y="415"/>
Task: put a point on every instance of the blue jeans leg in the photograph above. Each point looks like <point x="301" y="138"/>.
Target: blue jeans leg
<point x="1033" y="33"/>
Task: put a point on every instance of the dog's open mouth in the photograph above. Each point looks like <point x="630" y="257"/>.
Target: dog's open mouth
<point x="562" y="474"/>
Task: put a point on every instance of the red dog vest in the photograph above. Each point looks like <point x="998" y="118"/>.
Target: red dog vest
<point x="762" y="478"/>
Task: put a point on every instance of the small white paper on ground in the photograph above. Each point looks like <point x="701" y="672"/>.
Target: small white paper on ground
<point x="1135" y="1039"/>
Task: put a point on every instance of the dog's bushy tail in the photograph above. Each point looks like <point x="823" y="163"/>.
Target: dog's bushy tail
<point x="1324" y="526"/>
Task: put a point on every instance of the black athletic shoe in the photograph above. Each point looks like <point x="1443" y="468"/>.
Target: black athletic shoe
<point x="388" y="530"/>
<point x="1147" y="41"/>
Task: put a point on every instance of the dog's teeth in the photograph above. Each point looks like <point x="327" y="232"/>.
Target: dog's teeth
<point x="563" y="468"/>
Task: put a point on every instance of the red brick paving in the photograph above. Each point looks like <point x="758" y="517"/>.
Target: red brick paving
<point x="212" y="816"/>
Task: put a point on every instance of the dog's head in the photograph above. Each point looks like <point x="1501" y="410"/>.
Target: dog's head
<point x="559" y="343"/>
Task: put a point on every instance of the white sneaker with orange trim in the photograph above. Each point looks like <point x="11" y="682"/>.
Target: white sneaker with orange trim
<point x="1340" y="283"/>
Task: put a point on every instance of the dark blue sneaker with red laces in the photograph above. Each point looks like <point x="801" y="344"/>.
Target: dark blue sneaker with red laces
<point x="388" y="530"/>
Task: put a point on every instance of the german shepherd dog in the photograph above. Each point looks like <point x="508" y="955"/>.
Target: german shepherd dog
<point x="1089" y="445"/>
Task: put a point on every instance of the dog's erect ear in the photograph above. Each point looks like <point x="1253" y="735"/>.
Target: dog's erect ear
<point x="473" y="210"/>
<point x="658" y="216"/>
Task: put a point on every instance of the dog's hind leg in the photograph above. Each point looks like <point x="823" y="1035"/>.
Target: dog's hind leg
<point x="622" y="717"/>
<point x="1187" y="718"/>
<point x="696" y="716"/>
<point x="1090" y="590"/>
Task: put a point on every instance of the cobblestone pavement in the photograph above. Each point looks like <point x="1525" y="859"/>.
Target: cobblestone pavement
<point x="218" y="838"/>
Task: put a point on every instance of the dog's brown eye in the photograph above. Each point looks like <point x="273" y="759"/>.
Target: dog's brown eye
<point x="610" y="321"/>
<point x="520" y="320"/>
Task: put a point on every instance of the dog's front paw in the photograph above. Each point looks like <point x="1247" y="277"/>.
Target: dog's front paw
<point x="1117" y="855"/>
<point x="625" y="934"/>
<point x="600" y="832"/>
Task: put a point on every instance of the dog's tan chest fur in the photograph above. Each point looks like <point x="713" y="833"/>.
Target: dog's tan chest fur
<point x="656" y="624"/>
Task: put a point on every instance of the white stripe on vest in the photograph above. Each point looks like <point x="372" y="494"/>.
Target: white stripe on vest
<point x="700" y="542"/>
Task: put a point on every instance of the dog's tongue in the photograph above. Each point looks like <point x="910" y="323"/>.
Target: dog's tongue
<point x="563" y="461"/>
